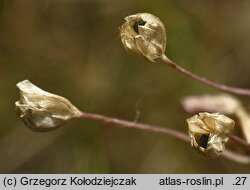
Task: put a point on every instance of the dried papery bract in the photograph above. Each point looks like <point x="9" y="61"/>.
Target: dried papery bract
<point x="144" y="34"/>
<point x="41" y="110"/>
<point x="209" y="133"/>
<point x="222" y="103"/>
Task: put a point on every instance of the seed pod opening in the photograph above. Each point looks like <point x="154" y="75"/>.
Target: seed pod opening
<point x="209" y="133"/>
<point x="144" y="34"/>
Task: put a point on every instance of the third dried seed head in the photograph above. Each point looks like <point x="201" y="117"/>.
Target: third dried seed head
<point x="209" y="132"/>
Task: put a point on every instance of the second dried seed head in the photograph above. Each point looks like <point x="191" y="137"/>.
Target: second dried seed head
<point x="144" y="34"/>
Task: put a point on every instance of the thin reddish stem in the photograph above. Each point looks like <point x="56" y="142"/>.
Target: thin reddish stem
<point x="128" y="124"/>
<point x="236" y="157"/>
<point x="151" y="128"/>
<point x="234" y="90"/>
<point x="240" y="141"/>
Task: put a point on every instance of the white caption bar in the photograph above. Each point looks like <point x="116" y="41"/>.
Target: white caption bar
<point x="125" y="181"/>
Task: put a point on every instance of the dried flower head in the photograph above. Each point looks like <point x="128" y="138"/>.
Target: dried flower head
<point x="43" y="111"/>
<point x="144" y="34"/>
<point x="209" y="133"/>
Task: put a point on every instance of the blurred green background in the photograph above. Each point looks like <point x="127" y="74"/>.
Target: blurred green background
<point x="72" y="48"/>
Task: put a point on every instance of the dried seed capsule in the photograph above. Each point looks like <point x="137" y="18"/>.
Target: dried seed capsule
<point x="41" y="110"/>
<point x="144" y="34"/>
<point x="209" y="133"/>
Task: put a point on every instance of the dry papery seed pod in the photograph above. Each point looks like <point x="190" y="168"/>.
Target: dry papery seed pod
<point x="144" y="34"/>
<point x="209" y="133"/>
<point x="41" y="110"/>
<point x="223" y="103"/>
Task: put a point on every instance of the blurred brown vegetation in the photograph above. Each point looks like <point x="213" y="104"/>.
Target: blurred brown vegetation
<point x="72" y="48"/>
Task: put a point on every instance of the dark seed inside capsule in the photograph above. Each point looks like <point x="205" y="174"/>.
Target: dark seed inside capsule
<point x="203" y="141"/>
<point x="138" y="23"/>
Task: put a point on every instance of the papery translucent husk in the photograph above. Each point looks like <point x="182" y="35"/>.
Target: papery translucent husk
<point x="41" y="110"/>
<point x="144" y="34"/>
<point x="214" y="127"/>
